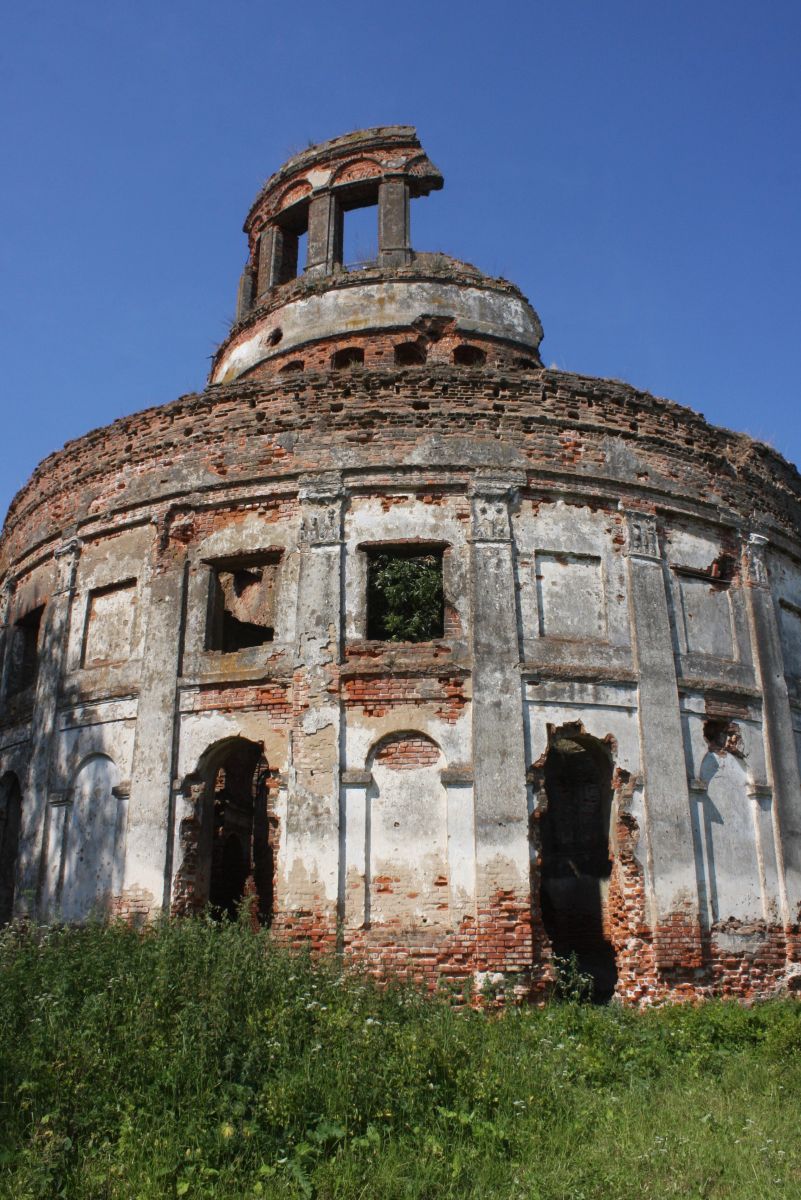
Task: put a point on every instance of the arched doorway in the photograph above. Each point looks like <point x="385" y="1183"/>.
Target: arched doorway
<point x="228" y="842"/>
<point x="10" y="816"/>
<point x="576" y="863"/>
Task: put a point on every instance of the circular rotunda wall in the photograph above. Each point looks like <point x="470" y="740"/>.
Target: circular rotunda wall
<point x="452" y="661"/>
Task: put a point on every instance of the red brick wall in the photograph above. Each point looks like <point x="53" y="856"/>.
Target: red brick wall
<point x="406" y="752"/>
<point x="243" y="431"/>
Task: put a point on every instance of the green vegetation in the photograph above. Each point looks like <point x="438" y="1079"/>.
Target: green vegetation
<point x="404" y="596"/>
<point x="199" y="1060"/>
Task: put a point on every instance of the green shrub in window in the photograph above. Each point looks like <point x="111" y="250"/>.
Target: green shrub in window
<point x="404" y="596"/>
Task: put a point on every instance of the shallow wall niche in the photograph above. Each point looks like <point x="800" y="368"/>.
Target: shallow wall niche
<point x="576" y="861"/>
<point x="110" y="616"/>
<point x="227" y="836"/>
<point x="10" y="816"/>
<point x="726" y="827"/>
<point x="406" y="836"/>
<point x="91" y="861"/>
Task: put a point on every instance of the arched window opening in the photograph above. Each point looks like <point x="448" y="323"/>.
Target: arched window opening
<point x="349" y="356"/>
<point x="295" y="364"/>
<point x="410" y="354"/>
<point x="10" y="816"/>
<point x="576" y="860"/>
<point x="469" y="356"/>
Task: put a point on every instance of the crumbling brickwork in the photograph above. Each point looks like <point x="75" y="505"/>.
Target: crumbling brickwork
<point x="597" y="753"/>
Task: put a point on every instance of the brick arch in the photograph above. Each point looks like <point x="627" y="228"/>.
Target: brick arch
<point x="407" y="749"/>
<point x="297" y="191"/>
<point x="357" y="170"/>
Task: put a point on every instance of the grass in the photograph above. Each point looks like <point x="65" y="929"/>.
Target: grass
<point x="200" y="1060"/>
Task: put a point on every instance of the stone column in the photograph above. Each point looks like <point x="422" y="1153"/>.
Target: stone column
<point x="148" y="838"/>
<point x="777" y="727"/>
<point x="265" y="261"/>
<point x="51" y="652"/>
<point x="670" y="867"/>
<point x="394" y="238"/>
<point x="278" y="258"/>
<point x="499" y="760"/>
<point x="244" y="295"/>
<point x="308" y="893"/>
<point x="325" y="234"/>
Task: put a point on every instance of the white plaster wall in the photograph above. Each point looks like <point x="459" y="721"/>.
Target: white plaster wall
<point x="112" y="560"/>
<point x="254" y="534"/>
<point x="84" y="848"/>
<point x="369" y="521"/>
<point x="708" y="620"/>
<point x="91" y="857"/>
<point x="386" y="305"/>
<point x="435" y="834"/>
<point x="785" y="578"/>
<point x="732" y="821"/>
<point x="571" y="576"/>
<point x="200" y="731"/>
<point x="406" y="848"/>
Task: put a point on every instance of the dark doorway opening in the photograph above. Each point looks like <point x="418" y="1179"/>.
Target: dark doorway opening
<point x="576" y="861"/>
<point x="10" y="816"/>
<point x="241" y="854"/>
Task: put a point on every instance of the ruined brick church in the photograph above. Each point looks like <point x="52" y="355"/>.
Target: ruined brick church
<point x="450" y="662"/>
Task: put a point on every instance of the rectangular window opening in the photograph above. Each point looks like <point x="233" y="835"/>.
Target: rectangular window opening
<point x="360" y="237"/>
<point x="405" y="601"/>
<point x="24" y="664"/>
<point x="243" y="600"/>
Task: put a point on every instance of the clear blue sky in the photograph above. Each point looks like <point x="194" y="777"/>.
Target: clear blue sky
<point x="634" y="166"/>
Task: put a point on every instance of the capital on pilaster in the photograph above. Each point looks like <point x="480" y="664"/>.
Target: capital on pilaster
<point x="642" y="540"/>
<point x="755" y="557"/>
<point x="490" y="497"/>
<point x="321" y="498"/>
<point x="67" y="556"/>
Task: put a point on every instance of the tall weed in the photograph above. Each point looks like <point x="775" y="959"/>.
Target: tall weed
<point x="202" y="1060"/>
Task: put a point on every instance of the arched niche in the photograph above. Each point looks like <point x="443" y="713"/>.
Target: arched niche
<point x="92" y="841"/>
<point x="227" y="835"/>
<point x="728" y="831"/>
<point x="10" y="817"/>
<point x="406" y="836"/>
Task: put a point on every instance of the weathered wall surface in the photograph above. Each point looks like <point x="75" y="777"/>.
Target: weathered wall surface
<point x="597" y="751"/>
<point x="386" y="824"/>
